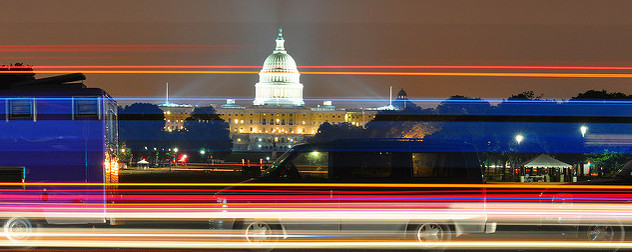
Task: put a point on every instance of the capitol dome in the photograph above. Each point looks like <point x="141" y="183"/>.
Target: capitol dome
<point x="279" y="79"/>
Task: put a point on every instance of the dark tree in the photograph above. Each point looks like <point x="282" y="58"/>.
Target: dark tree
<point x="406" y="123"/>
<point x="205" y="130"/>
<point x="141" y="125"/>
<point x="8" y="75"/>
<point x="601" y="96"/>
<point x="329" y="132"/>
<point x="526" y="95"/>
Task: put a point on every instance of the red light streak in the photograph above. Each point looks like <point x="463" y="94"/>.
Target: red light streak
<point x="464" y="74"/>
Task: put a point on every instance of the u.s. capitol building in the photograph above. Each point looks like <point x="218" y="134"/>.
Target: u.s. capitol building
<point x="278" y="118"/>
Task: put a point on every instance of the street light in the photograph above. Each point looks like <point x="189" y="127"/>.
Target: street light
<point x="583" y="129"/>
<point x="175" y="149"/>
<point x="519" y="138"/>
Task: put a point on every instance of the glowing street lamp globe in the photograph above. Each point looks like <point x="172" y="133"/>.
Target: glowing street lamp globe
<point x="583" y="129"/>
<point x="519" y="138"/>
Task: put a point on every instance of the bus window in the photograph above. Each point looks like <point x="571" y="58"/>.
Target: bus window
<point x="86" y="108"/>
<point x="21" y="109"/>
<point x="110" y="127"/>
<point x="12" y="174"/>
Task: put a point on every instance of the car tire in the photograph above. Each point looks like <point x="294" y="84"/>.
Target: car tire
<point x="259" y="233"/>
<point x="433" y="232"/>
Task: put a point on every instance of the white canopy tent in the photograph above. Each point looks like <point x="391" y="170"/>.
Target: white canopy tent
<point x="142" y="164"/>
<point x="544" y="161"/>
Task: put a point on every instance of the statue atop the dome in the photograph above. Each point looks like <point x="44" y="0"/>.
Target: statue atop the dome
<point x="280" y="48"/>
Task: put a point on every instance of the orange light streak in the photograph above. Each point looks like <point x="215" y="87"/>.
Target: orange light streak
<point x="468" y="74"/>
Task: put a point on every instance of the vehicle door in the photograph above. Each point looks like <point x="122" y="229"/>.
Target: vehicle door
<point x="310" y="205"/>
<point x="454" y="196"/>
<point x="370" y="209"/>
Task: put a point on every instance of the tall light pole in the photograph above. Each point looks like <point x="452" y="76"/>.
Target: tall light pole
<point x="519" y="138"/>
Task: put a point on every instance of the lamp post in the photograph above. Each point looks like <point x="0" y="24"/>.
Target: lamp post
<point x="519" y="138"/>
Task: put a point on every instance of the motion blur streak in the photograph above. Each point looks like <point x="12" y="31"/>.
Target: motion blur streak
<point x="387" y="185"/>
<point x="164" y="216"/>
<point x="111" y="48"/>
<point x="331" y="67"/>
<point x="360" y="244"/>
<point x="472" y="74"/>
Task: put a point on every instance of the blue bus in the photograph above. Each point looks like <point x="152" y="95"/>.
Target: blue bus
<point x="58" y="154"/>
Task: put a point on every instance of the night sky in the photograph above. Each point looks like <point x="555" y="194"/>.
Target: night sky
<point x="365" y="32"/>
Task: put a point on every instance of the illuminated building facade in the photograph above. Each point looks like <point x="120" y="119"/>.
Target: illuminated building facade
<point x="175" y="114"/>
<point x="277" y="128"/>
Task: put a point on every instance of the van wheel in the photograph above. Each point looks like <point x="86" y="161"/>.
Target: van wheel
<point x="604" y="232"/>
<point x="261" y="232"/>
<point x="433" y="232"/>
<point x="19" y="229"/>
<point x="607" y="232"/>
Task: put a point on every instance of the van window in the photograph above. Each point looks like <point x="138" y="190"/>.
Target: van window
<point x="439" y="165"/>
<point x="356" y="165"/>
<point x="312" y="165"/>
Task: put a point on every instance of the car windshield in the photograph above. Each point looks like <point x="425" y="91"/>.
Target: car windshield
<point x="625" y="171"/>
<point x="275" y="167"/>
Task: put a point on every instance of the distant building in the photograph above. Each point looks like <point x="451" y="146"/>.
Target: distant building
<point x="273" y="128"/>
<point x="402" y="102"/>
<point x="175" y="114"/>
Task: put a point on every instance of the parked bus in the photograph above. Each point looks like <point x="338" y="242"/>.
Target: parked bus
<point x="58" y="154"/>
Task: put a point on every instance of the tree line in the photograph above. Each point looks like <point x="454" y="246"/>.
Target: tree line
<point x="141" y="129"/>
<point x="544" y="126"/>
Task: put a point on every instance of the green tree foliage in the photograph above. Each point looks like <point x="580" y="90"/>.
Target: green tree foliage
<point x="8" y="75"/>
<point x="608" y="163"/>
